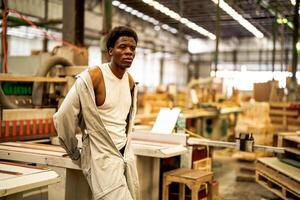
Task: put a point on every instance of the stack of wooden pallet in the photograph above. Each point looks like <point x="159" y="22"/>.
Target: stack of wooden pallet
<point x="282" y="176"/>
<point x="278" y="177"/>
<point x="285" y="116"/>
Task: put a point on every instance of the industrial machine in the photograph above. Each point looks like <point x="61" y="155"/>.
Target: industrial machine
<point x="29" y="99"/>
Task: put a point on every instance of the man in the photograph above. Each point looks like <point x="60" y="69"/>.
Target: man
<point x="102" y="102"/>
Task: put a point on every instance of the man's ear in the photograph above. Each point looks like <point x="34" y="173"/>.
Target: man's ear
<point x="110" y="51"/>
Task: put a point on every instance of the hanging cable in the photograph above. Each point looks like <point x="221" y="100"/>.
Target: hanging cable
<point x="45" y="33"/>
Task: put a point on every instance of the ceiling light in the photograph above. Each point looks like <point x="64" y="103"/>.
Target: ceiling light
<point x="134" y="12"/>
<point x="176" y="16"/>
<point x="157" y="28"/>
<point x="173" y="30"/>
<point x="184" y="20"/>
<point x="165" y="26"/>
<point x="146" y="17"/>
<point x="122" y="6"/>
<point x="128" y="9"/>
<point x="116" y="3"/>
<point x="140" y="15"/>
<point x="293" y="2"/>
<point x="239" y="18"/>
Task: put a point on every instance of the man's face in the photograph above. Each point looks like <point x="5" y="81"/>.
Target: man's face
<point x="123" y="52"/>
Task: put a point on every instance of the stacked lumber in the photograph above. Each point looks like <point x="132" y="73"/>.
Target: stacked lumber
<point x="255" y="119"/>
<point x="285" y="116"/>
<point x="153" y="102"/>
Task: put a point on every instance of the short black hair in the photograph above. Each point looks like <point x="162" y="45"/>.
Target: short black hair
<point x="117" y="32"/>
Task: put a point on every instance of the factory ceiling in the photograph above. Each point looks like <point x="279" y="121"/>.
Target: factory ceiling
<point x="260" y="13"/>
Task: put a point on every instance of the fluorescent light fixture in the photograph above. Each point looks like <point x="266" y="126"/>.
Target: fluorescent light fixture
<point x="122" y="6"/>
<point x="116" y="3"/>
<point x="293" y="2"/>
<point x="157" y="28"/>
<point x="146" y="17"/>
<point x="298" y="46"/>
<point x="163" y="9"/>
<point x="235" y="15"/>
<point x="134" y="12"/>
<point x="140" y="15"/>
<point x="128" y="9"/>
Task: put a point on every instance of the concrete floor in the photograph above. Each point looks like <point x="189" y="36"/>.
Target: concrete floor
<point x="225" y="171"/>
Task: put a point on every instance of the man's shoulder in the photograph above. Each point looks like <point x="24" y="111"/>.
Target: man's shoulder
<point x="96" y="74"/>
<point x="131" y="81"/>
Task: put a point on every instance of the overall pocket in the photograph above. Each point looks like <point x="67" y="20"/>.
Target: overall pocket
<point x="106" y="173"/>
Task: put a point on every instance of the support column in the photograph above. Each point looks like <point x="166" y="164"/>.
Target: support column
<point x="45" y="41"/>
<point x="161" y="70"/>
<point x="292" y="85"/>
<point x="274" y="30"/>
<point x="217" y="37"/>
<point x="295" y="40"/>
<point x="107" y="25"/>
<point x="73" y="21"/>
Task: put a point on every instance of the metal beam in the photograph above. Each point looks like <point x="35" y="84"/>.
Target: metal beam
<point x="107" y="25"/>
<point x="215" y="143"/>
<point x="73" y="21"/>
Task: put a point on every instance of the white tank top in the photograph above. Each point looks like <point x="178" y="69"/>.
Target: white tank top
<point x="116" y="105"/>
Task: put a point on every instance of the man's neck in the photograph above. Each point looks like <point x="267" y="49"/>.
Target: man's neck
<point x="117" y="71"/>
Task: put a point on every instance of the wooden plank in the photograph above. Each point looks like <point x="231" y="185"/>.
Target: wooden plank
<point x="27" y="113"/>
<point x="28" y="182"/>
<point x="46" y="147"/>
<point x="292" y="150"/>
<point x="293" y="138"/>
<point x="15" y="78"/>
<point x="287" y="113"/>
<point x="33" y="151"/>
<point x="280" y="104"/>
<point x="43" y="159"/>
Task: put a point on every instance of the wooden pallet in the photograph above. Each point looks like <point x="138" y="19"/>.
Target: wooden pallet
<point x="278" y="177"/>
<point x="285" y="116"/>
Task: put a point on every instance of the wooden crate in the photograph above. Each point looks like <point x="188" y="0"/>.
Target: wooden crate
<point x="285" y="116"/>
<point x="278" y="177"/>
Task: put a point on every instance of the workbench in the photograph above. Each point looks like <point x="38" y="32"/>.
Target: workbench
<point x="18" y="181"/>
<point x="149" y="149"/>
<point x="148" y="154"/>
<point x="73" y="185"/>
<point x="202" y="113"/>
